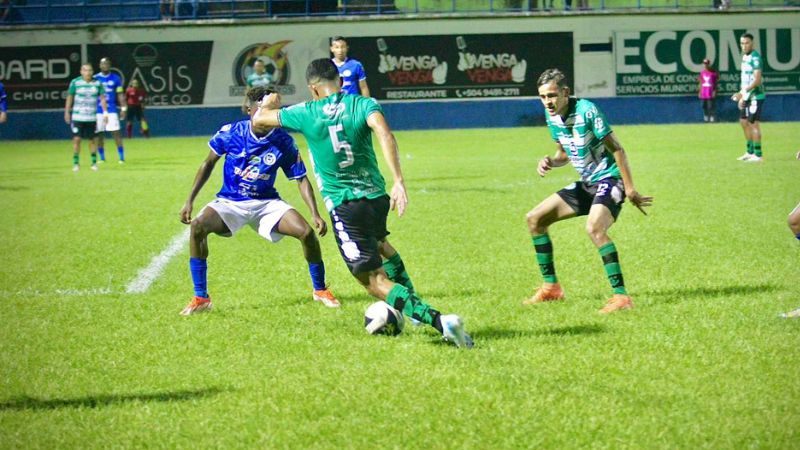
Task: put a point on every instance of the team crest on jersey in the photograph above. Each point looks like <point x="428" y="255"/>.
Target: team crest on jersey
<point x="598" y="124"/>
<point x="269" y="159"/>
<point x="275" y="59"/>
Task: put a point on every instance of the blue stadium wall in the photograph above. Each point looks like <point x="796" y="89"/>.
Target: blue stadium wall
<point x="203" y="121"/>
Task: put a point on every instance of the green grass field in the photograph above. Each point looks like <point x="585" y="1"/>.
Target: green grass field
<point x="703" y="361"/>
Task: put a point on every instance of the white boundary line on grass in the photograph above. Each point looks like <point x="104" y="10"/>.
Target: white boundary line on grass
<point x="149" y="274"/>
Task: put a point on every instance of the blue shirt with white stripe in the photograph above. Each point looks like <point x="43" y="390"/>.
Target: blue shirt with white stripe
<point x="351" y="72"/>
<point x="252" y="162"/>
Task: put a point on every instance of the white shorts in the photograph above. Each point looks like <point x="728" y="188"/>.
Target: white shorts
<point x="262" y="215"/>
<point x="112" y="125"/>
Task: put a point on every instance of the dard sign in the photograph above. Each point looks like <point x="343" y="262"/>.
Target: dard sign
<point x="668" y="62"/>
<point x="38" y="77"/>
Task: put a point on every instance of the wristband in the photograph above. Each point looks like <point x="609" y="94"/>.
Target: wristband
<point x="124" y="108"/>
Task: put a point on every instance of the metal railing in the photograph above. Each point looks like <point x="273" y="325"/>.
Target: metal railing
<point x="14" y="12"/>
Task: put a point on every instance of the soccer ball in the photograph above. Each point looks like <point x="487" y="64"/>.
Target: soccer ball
<point x="380" y="318"/>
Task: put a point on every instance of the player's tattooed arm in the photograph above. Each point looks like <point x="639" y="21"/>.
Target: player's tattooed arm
<point x="398" y="197"/>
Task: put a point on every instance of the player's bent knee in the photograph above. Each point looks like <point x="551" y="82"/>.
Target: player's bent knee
<point x="198" y="229"/>
<point x="794" y="223"/>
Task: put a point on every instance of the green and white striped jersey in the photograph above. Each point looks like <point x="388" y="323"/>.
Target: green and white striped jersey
<point x="751" y="63"/>
<point x="581" y="135"/>
<point x="85" y="95"/>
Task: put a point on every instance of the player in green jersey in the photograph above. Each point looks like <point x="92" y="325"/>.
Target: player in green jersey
<point x="750" y="99"/>
<point x="80" y="112"/>
<point x="338" y="128"/>
<point x="259" y="77"/>
<point x="583" y="138"/>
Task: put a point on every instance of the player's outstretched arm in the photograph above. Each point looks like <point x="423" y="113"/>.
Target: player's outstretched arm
<point x="398" y="196"/>
<point x="307" y="192"/>
<point x="638" y="200"/>
<point x="199" y="181"/>
<point x="68" y="109"/>
<point x="363" y="88"/>
<point x="267" y="115"/>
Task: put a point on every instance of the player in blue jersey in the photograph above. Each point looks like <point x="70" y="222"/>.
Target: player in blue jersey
<point x="583" y="138"/>
<point x="354" y="80"/>
<point x="3" y="104"/>
<point x="115" y="99"/>
<point x="248" y="197"/>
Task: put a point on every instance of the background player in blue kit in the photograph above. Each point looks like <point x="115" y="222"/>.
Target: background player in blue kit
<point x="248" y="197"/>
<point x="354" y="80"/>
<point x="3" y="104"/>
<point x="115" y="99"/>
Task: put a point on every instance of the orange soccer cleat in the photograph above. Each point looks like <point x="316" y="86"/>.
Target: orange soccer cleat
<point x="547" y="293"/>
<point x="326" y="297"/>
<point x="198" y="304"/>
<point x="616" y="303"/>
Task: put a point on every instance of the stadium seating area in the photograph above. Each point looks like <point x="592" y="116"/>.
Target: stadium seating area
<point x="14" y="12"/>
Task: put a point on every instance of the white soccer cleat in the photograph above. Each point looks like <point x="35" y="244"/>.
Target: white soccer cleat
<point x="76" y="168"/>
<point x="754" y="158"/>
<point x="94" y="167"/>
<point x="453" y="331"/>
<point x="745" y="157"/>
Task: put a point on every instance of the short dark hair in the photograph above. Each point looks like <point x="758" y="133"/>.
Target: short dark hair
<point x="338" y="38"/>
<point x="748" y="36"/>
<point x="255" y="94"/>
<point x="321" y="69"/>
<point x="551" y="75"/>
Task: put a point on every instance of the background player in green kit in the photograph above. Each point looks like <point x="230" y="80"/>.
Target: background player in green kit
<point x="259" y="77"/>
<point x="338" y="128"/>
<point x="583" y="138"/>
<point x="80" y="112"/>
<point x="751" y="99"/>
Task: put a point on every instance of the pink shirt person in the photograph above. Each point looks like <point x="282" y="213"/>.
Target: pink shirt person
<point x="708" y="81"/>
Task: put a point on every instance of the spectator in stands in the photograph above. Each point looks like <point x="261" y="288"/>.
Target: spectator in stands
<point x="708" y="91"/>
<point x="259" y="77"/>
<point x="167" y="9"/>
<point x="135" y="96"/>
<point x="3" y="104"/>
<point x="354" y="80"/>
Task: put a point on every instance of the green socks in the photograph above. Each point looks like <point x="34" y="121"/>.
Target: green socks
<point x="75" y="159"/>
<point x="749" y="147"/>
<point x="544" y="256"/>
<point x="757" y="148"/>
<point x="396" y="271"/>
<point x="611" y="263"/>
<point x="94" y="158"/>
<point x="401" y="299"/>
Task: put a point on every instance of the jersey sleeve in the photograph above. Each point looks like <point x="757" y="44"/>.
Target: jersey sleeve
<point x="596" y="121"/>
<point x="360" y="74"/>
<point x="119" y="88"/>
<point x="71" y="90"/>
<point x="369" y="105"/>
<point x="756" y="62"/>
<point x="291" y="117"/>
<point x="292" y="164"/>
<point x="219" y="141"/>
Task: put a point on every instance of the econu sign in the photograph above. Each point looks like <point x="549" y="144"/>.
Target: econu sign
<point x="668" y="62"/>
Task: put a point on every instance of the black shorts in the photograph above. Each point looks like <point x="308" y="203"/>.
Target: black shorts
<point x="581" y="196"/>
<point x="84" y="130"/>
<point x="752" y="110"/>
<point x="135" y="113"/>
<point x="359" y="226"/>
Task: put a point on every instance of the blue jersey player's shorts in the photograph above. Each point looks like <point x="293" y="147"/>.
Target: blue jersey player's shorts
<point x="581" y="196"/>
<point x="262" y="215"/>
<point x="360" y="225"/>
